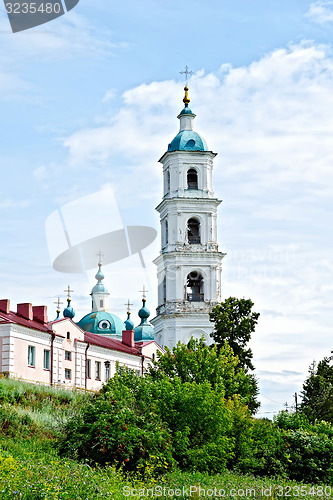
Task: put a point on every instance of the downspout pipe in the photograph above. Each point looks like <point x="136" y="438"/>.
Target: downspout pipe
<point x="86" y="367"/>
<point x="51" y="372"/>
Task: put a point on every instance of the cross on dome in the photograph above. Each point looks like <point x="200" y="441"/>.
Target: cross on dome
<point x="100" y="255"/>
<point x="69" y="291"/>
<point x="144" y="291"/>
<point x="128" y="306"/>
<point x="187" y="73"/>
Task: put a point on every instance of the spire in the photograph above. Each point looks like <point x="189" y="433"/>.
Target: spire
<point x="129" y="325"/>
<point x="69" y="311"/>
<point x="144" y="313"/>
<point x="144" y="331"/>
<point x="99" y="292"/>
<point x="58" y="303"/>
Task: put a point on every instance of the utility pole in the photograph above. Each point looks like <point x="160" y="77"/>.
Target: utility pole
<point x="296" y="402"/>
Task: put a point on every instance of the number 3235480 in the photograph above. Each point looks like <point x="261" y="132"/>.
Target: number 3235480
<point x="33" y="8"/>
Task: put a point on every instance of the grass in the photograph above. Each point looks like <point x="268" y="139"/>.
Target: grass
<point x="31" y="418"/>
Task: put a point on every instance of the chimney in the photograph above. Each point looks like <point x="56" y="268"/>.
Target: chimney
<point x="4" y="306"/>
<point x="128" y="338"/>
<point x="40" y="314"/>
<point x="25" y="310"/>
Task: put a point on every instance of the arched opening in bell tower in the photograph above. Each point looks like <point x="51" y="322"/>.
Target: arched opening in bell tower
<point x="195" y="287"/>
<point x="193" y="231"/>
<point x="192" y="179"/>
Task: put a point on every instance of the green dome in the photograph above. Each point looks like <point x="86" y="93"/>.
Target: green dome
<point x="144" y="331"/>
<point x="102" y="323"/>
<point x="188" y="140"/>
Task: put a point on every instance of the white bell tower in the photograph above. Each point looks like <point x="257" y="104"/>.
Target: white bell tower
<point x="189" y="265"/>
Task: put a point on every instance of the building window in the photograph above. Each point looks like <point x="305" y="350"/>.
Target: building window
<point x="68" y="335"/>
<point x="101" y="303"/>
<point x="192" y="179"/>
<point x="195" y="287"/>
<point x="166" y="232"/>
<point x="107" y="370"/>
<point x="88" y="368"/>
<point x="46" y="359"/>
<point x="193" y="231"/>
<point x="31" y="355"/>
<point x="68" y="355"/>
<point x="97" y="370"/>
<point x="168" y="181"/>
<point x="68" y="374"/>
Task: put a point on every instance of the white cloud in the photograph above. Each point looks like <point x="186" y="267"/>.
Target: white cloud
<point x="67" y="37"/>
<point x="272" y="125"/>
<point x="9" y="204"/>
<point x="321" y="12"/>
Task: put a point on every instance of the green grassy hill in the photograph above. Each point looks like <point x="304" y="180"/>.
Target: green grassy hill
<point x="32" y="418"/>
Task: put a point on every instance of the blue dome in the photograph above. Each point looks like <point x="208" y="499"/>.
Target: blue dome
<point x="144" y="331"/>
<point x="99" y="288"/>
<point x="103" y="323"/>
<point x="69" y="311"/>
<point x="188" y="140"/>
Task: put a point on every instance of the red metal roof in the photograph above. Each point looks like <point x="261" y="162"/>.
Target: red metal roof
<point x="28" y="323"/>
<point x="108" y="343"/>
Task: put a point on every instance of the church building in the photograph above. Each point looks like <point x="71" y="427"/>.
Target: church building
<point x="85" y="354"/>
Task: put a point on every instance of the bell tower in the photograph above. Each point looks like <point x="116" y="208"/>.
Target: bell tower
<point x="189" y="265"/>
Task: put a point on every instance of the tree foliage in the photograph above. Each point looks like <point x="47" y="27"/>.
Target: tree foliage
<point x="138" y="423"/>
<point x="317" y="394"/>
<point x="197" y="362"/>
<point x="234" y="323"/>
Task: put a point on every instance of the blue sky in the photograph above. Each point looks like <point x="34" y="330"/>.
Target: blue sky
<point x="88" y="106"/>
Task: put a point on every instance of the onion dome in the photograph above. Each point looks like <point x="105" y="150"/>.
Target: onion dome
<point x="129" y="324"/>
<point x="69" y="311"/>
<point x="144" y="331"/>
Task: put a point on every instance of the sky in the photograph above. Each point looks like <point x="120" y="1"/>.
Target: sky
<point x="88" y="106"/>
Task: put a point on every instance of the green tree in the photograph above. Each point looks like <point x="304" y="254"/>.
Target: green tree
<point x="197" y="362"/>
<point x="234" y="323"/>
<point x="317" y="394"/>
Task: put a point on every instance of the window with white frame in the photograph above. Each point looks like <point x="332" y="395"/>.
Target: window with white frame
<point x="68" y="374"/>
<point x="88" y="368"/>
<point x="31" y="355"/>
<point x="68" y="355"/>
<point x="97" y="370"/>
<point x="47" y="358"/>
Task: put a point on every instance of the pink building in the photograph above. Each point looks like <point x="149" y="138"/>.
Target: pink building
<point x="61" y="353"/>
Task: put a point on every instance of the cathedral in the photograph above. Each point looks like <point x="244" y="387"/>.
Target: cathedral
<point x="189" y="285"/>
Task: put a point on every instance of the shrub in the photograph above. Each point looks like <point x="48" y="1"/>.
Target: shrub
<point x="140" y="423"/>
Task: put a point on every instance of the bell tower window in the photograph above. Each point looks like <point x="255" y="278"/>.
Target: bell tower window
<point x="193" y="231"/>
<point x="192" y="179"/>
<point x="195" y="287"/>
<point x="166" y="232"/>
<point x="168" y="181"/>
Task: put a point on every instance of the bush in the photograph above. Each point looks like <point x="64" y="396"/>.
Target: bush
<point x="140" y="423"/>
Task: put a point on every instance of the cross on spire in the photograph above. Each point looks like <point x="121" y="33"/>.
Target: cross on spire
<point x="128" y="306"/>
<point x="144" y="291"/>
<point x="187" y="73"/>
<point x="100" y="255"/>
<point x="69" y="291"/>
<point x="58" y="302"/>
